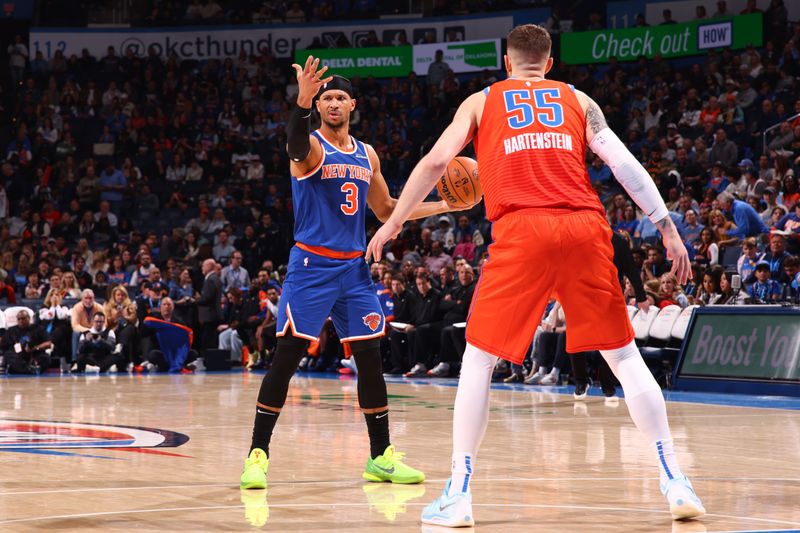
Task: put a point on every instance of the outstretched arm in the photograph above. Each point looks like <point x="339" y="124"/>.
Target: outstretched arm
<point x="457" y="135"/>
<point x="304" y="150"/>
<point x="382" y="203"/>
<point x="636" y="181"/>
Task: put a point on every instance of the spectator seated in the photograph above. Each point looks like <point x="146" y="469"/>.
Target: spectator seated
<point x="98" y="350"/>
<point x="24" y="345"/>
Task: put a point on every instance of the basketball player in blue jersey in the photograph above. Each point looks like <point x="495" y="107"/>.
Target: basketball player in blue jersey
<point x="334" y="178"/>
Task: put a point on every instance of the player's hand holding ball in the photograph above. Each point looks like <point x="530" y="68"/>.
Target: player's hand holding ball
<point x="309" y="81"/>
<point x="460" y="186"/>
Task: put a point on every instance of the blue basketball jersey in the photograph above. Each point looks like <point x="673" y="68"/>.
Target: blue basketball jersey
<point x="330" y="202"/>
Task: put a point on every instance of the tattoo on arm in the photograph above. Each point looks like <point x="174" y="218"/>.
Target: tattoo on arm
<point x="594" y="117"/>
<point x="665" y="225"/>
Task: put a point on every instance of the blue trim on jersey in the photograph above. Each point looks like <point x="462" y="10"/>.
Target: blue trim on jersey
<point x="330" y="203"/>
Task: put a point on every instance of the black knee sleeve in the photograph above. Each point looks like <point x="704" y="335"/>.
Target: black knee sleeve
<point x="275" y="385"/>
<point x="371" y="385"/>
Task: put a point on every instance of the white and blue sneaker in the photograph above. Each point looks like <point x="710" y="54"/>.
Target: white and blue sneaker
<point x="683" y="502"/>
<point x="450" y="511"/>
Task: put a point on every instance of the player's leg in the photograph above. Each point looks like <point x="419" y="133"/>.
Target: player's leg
<point x="359" y="320"/>
<point x="271" y="398"/>
<point x="275" y="387"/>
<point x="372" y="397"/>
<point x="597" y="319"/>
<point x="384" y="463"/>
<point x="506" y="289"/>
<point x="308" y="296"/>
<point x="470" y="419"/>
<point x="648" y="410"/>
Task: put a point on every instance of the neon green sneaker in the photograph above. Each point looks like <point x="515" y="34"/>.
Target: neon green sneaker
<point x="390" y="467"/>
<point x="254" y="475"/>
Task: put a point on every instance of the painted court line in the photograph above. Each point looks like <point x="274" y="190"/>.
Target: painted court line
<point x="624" y="415"/>
<point x="355" y="484"/>
<point x="350" y="504"/>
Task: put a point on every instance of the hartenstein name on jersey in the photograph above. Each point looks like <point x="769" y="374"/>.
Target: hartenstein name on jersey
<point x="538" y="141"/>
<point x="346" y="171"/>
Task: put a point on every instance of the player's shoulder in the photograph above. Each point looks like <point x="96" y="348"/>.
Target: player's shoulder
<point x="473" y="104"/>
<point x="369" y="149"/>
<point x="583" y="99"/>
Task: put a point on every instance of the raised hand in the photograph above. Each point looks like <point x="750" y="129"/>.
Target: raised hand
<point x="309" y="81"/>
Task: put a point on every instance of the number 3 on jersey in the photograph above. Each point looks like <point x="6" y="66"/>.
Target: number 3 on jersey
<point x="350" y="205"/>
<point x="523" y="104"/>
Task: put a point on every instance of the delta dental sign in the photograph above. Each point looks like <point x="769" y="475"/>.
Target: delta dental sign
<point x="381" y="62"/>
<point x="399" y="61"/>
<point x="675" y="40"/>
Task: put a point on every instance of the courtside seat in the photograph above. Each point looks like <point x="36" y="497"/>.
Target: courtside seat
<point x="10" y="313"/>
<point x="642" y="322"/>
<point x="682" y="324"/>
<point x="661" y="328"/>
<point x="659" y="357"/>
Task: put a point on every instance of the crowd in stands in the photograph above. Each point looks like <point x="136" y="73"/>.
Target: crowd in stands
<point x="136" y="191"/>
<point x="151" y="13"/>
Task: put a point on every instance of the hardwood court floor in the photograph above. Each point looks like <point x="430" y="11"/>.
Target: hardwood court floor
<point x="548" y="464"/>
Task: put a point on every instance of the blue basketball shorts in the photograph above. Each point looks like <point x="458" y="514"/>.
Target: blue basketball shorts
<point x="319" y="287"/>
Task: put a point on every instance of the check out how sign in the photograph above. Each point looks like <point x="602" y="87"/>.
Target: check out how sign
<point x="675" y="40"/>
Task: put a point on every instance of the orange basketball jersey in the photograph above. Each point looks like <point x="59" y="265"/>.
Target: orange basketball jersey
<point x="531" y="148"/>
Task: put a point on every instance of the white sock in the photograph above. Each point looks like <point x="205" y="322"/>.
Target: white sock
<point x="555" y="372"/>
<point x="645" y="404"/>
<point x="667" y="461"/>
<point x="470" y="414"/>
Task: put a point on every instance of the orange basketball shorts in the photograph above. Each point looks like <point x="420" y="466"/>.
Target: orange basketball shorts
<point x="539" y="253"/>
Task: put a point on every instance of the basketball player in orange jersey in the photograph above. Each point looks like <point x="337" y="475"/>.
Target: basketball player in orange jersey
<point x="530" y="137"/>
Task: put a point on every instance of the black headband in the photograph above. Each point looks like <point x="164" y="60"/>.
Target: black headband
<point x="338" y="83"/>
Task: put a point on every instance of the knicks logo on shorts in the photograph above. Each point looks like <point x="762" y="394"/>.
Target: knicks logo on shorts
<point x="373" y="321"/>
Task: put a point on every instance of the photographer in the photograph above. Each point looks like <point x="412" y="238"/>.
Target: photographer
<point x="24" y="345"/>
<point x="97" y="347"/>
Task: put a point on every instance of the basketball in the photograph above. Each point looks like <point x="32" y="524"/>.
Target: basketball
<point x="460" y="186"/>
